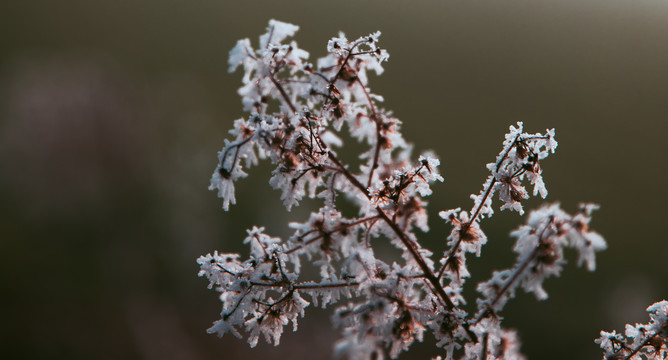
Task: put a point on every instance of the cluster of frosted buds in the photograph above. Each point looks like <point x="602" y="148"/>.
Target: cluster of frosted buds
<point x="642" y="341"/>
<point x="311" y="104"/>
<point x="518" y="159"/>
<point x="539" y="249"/>
<point x="540" y="254"/>
<point x="236" y="280"/>
<point x="296" y="111"/>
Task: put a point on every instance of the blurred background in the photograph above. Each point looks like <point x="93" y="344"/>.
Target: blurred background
<point x="111" y="113"/>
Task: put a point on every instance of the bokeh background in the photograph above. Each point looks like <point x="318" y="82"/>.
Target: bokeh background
<point x="111" y="113"/>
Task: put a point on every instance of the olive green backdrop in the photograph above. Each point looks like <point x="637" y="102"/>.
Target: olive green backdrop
<point x="111" y="113"/>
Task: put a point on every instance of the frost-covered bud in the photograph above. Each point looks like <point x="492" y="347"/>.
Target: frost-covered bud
<point x="511" y="192"/>
<point x="585" y="241"/>
<point x="465" y="235"/>
<point x="277" y="31"/>
<point x="269" y="324"/>
<point x="260" y="243"/>
<point x="226" y="173"/>
<point x="293" y="306"/>
<point x="239" y="54"/>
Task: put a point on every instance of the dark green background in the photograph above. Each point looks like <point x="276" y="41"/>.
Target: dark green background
<point x="112" y="113"/>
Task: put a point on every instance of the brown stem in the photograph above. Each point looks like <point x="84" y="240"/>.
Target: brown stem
<point x="227" y="315"/>
<point x="476" y="211"/>
<point x="412" y="249"/>
<point x="483" y="352"/>
<point x="488" y="191"/>
<point x="343" y="65"/>
<point x="347" y="174"/>
<point x="284" y="95"/>
<point x="308" y="286"/>
<point x="516" y="274"/>
<point x="236" y="147"/>
<point x="639" y="347"/>
<point x="337" y="229"/>
<point x="374" y="117"/>
<point x="410" y="246"/>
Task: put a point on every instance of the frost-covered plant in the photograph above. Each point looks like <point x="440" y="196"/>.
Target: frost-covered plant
<point x="296" y="111"/>
<point x="642" y="341"/>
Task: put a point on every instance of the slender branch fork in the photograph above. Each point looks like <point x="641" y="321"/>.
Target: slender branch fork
<point x="409" y="244"/>
<point x="488" y="193"/>
<point x="405" y="240"/>
<point x="263" y="293"/>
<point x="516" y="274"/>
<point x="637" y="349"/>
<point x="340" y="228"/>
